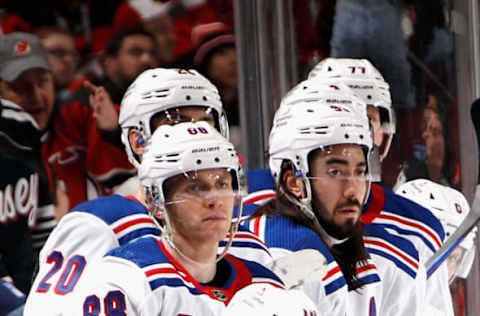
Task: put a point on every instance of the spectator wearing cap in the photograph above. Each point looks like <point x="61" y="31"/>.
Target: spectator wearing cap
<point x="216" y="58"/>
<point x="79" y="163"/>
<point x="26" y="75"/>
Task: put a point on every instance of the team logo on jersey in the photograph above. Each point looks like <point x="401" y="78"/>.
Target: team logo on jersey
<point x="220" y="295"/>
<point x="66" y="156"/>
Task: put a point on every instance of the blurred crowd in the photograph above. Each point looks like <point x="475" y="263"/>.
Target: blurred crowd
<point x="87" y="53"/>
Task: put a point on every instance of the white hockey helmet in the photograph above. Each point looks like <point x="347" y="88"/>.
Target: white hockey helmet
<point x="266" y="300"/>
<point x="308" y="121"/>
<point x="178" y="149"/>
<point x="451" y="208"/>
<point x="337" y="94"/>
<point x="161" y="89"/>
<point x="184" y="149"/>
<point x="367" y="83"/>
<point x="316" y="121"/>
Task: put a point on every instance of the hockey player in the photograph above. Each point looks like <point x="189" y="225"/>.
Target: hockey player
<point x="451" y="208"/>
<point x="192" y="179"/>
<point x="86" y="233"/>
<point x="395" y="257"/>
<point x="319" y="156"/>
<point x="409" y="220"/>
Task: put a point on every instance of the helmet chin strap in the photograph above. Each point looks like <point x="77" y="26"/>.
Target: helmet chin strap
<point x="166" y="231"/>
<point x="232" y="232"/>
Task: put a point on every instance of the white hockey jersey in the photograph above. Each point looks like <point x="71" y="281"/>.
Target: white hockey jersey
<point x="142" y="278"/>
<point x="83" y="236"/>
<point x="403" y="278"/>
<point x="87" y="233"/>
<point x="396" y="259"/>
<point x="417" y="224"/>
<point x="330" y="291"/>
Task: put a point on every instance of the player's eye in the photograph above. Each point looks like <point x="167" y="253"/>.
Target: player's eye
<point x="193" y="188"/>
<point x="361" y="172"/>
<point x="224" y="184"/>
<point x="334" y="173"/>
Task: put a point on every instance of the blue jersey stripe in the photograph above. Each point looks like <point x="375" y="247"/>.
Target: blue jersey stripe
<point x="395" y="260"/>
<point x="403" y="231"/>
<point x="368" y="279"/>
<point x="173" y="282"/>
<point x="243" y="244"/>
<point x="335" y="285"/>
<point x="138" y="233"/>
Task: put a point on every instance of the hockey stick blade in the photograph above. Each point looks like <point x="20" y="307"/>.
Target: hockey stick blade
<point x="451" y="243"/>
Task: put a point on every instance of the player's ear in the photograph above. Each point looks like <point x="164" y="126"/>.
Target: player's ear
<point x="293" y="184"/>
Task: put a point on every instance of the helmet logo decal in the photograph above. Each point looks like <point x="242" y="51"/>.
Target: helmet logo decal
<point x="338" y="108"/>
<point x="185" y="72"/>
<point x="458" y="208"/>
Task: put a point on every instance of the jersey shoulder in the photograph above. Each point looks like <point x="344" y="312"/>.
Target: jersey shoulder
<point x="127" y="217"/>
<point x="398" y="250"/>
<point x="403" y="215"/>
<point x="281" y="232"/>
<point x="257" y="272"/>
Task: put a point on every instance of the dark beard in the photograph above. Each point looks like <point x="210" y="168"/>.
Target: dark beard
<point x="336" y="231"/>
<point x="350" y="253"/>
<point x="348" y="229"/>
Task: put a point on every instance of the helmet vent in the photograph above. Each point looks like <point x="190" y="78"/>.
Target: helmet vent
<point x="321" y="130"/>
<point x="166" y="158"/>
<point x="161" y="93"/>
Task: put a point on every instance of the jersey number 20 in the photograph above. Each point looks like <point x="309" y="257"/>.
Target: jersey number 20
<point x="69" y="275"/>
